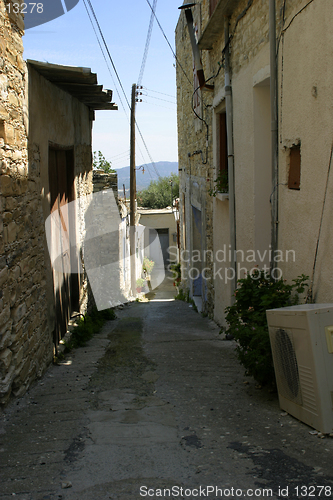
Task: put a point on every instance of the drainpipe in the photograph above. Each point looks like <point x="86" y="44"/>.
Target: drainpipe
<point x="231" y="169"/>
<point x="274" y="131"/>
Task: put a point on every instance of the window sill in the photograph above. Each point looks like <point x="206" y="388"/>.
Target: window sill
<point x="222" y="196"/>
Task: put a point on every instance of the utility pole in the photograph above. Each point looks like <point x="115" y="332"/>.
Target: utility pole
<point x="132" y="192"/>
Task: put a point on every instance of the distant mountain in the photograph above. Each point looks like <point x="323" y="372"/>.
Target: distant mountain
<point x="164" y="168"/>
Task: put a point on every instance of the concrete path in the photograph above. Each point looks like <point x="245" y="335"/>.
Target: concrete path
<point x="157" y="401"/>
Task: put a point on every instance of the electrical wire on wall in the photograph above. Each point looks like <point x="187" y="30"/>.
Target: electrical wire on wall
<point x="309" y="298"/>
<point x="280" y="45"/>
<point x="213" y="77"/>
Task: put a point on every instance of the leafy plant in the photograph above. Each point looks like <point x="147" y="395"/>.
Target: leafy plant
<point x="148" y="265"/>
<point x="158" y="193"/>
<point x="247" y="322"/>
<point x="88" y="326"/>
<point x="222" y="184"/>
<point x="185" y="297"/>
<point x="140" y="282"/>
<point x="101" y="163"/>
<point x="176" y="271"/>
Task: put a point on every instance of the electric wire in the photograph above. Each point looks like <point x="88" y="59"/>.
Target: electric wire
<point x="156" y="92"/>
<point x="116" y="72"/>
<point x="241" y="15"/>
<point x="150" y="29"/>
<point x="159" y="99"/>
<point x="119" y="161"/>
<point x="108" y="52"/>
<point x="158" y="105"/>
<point x="121" y="154"/>
<point x="221" y="65"/>
<point x="297" y="13"/>
<point x="309" y="297"/>
<point x="106" y="61"/>
<point x="169" y="44"/>
<point x="284" y="29"/>
<point x="146" y="148"/>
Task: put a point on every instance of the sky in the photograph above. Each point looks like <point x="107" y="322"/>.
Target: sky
<point x="70" y="40"/>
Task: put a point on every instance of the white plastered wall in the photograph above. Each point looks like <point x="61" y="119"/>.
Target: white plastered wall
<point x="305" y="91"/>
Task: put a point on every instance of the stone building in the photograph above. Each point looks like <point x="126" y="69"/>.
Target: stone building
<point x="20" y="223"/>
<point x="46" y="115"/>
<point x="271" y="197"/>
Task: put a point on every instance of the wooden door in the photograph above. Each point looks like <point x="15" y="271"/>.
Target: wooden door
<point x="65" y="283"/>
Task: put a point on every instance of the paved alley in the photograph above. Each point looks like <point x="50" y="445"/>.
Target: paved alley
<point x="156" y="401"/>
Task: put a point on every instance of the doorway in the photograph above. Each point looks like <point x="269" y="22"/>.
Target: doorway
<point x="65" y="282"/>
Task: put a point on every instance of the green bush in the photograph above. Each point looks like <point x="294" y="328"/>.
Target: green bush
<point x="176" y="273"/>
<point x="159" y="194"/>
<point x="247" y="322"/>
<point x="221" y="184"/>
<point x="140" y="282"/>
<point x="88" y="326"/>
<point x="185" y="297"/>
<point x="147" y="265"/>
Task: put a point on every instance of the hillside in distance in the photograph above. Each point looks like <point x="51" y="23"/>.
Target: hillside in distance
<point x="164" y="168"/>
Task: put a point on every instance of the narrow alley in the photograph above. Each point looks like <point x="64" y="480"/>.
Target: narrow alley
<point x="156" y="401"/>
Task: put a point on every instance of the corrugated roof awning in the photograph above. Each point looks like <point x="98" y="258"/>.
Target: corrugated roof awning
<point x="78" y="82"/>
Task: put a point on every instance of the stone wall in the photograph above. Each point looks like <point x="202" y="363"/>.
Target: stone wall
<point x="196" y="169"/>
<point x="103" y="181"/>
<point x="25" y="344"/>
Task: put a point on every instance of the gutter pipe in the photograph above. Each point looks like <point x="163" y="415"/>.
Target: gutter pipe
<point x="231" y="168"/>
<point x="274" y="133"/>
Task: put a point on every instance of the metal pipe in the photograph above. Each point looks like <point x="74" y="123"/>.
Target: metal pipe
<point x="230" y="144"/>
<point x="274" y="131"/>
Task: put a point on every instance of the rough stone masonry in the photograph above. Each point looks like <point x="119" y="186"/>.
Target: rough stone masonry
<point x="24" y="349"/>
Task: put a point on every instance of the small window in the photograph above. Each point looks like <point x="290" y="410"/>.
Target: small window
<point x="294" y="179"/>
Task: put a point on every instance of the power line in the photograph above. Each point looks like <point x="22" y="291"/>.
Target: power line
<point x="115" y="70"/>
<point x="108" y="52"/>
<point x="158" y="105"/>
<point x="120" y="154"/>
<point x="119" y="161"/>
<point x="156" y="92"/>
<point x="150" y="29"/>
<point x="159" y="99"/>
<point x="106" y="62"/>
<point x="166" y="38"/>
<point x="145" y="145"/>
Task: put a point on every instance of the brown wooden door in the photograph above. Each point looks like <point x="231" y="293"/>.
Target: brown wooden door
<point x="65" y="284"/>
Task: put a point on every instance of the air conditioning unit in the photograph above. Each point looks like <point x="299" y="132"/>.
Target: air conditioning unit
<point x="302" y="345"/>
